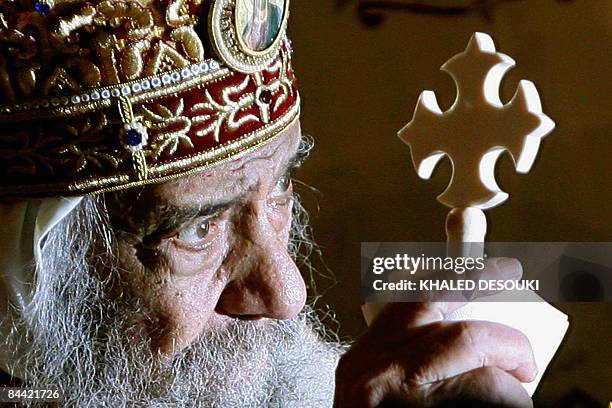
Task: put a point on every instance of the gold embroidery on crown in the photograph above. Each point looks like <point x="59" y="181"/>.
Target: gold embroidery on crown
<point x="84" y="150"/>
<point x="81" y="45"/>
<point x="171" y="126"/>
<point x="223" y="112"/>
<point x="116" y="67"/>
<point x="31" y="152"/>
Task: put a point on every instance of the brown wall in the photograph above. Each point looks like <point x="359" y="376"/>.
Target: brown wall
<point x="359" y="86"/>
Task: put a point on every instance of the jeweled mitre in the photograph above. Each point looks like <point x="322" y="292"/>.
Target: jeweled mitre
<point x="102" y="95"/>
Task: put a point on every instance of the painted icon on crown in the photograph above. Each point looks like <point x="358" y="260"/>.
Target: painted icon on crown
<point x="258" y="22"/>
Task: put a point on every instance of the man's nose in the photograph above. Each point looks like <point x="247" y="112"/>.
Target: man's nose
<point x="265" y="281"/>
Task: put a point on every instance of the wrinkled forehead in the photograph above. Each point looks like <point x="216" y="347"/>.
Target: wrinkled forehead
<point x="230" y="180"/>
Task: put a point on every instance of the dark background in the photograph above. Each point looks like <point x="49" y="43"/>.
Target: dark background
<point x="359" y="87"/>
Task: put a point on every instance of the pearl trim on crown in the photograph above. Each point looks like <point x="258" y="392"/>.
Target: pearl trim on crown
<point x="159" y="81"/>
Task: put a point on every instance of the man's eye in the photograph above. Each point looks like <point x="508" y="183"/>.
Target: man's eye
<point x="281" y="197"/>
<point x="197" y="235"/>
<point x="283" y="183"/>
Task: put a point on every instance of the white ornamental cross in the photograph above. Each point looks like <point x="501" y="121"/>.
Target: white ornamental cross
<point x="473" y="133"/>
<point x="477" y="128"/>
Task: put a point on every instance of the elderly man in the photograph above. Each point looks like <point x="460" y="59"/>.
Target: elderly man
<point x="149" y="228"/>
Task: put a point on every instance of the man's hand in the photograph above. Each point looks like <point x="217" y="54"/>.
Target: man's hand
<point x="410" y="356"/>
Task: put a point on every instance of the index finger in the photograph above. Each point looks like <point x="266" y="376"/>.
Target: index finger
<point x="412" y="314"/>
<point x="394" y="319"/>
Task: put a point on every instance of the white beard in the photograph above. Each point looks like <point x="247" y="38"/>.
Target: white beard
<point x="92" y="348"/>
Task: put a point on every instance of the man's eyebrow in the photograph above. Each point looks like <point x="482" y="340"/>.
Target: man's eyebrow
<point x="191" y="213"/>
<point x="300" y="156"/>
<point x="295" y="162"/>
<point x="172" y="217"/>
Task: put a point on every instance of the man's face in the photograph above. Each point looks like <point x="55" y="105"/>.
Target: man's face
<point x="197" y="269"/>
<point x="212" y="247"/>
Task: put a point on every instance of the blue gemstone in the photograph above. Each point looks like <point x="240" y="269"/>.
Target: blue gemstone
<point x="42" y="8"/>
<point x="133" y="137"/>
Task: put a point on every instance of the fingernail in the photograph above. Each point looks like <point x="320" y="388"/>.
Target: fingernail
<point x="510" y="267"/>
